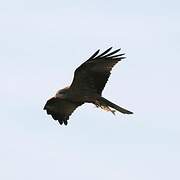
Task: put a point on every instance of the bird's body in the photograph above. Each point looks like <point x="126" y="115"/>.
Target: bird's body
<point x="87" y="86"/>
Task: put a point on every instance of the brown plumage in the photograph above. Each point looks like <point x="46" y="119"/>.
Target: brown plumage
<point x="89" y="81"/>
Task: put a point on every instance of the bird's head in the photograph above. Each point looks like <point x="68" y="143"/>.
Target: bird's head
<point x="62" y="92"/>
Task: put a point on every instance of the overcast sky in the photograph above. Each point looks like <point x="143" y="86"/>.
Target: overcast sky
<point x="42" y="43"/>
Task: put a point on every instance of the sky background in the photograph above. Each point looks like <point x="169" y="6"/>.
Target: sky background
<point x="42" y="43"/>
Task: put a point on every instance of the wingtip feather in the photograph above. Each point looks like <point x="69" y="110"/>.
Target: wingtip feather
<point x="114" y="52"/>
<point x="94" y="55"/>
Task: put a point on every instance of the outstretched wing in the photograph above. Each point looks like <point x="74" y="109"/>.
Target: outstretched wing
<point x="92" y="75"/>
<point x="60" y="109"/>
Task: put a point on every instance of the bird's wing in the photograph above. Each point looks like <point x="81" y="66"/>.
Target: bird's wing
<point x="93" y="74"/>
<point x="60" y="109"/>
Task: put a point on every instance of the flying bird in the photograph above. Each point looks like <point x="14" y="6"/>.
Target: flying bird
<point x="88" y="83"/>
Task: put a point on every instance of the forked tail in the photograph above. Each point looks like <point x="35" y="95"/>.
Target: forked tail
<point x="107" y="103"/>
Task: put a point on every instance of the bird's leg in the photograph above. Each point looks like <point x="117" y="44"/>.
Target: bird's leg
<point x="104" y="106"/>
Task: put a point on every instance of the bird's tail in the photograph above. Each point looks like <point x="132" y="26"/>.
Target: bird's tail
<point x="105" y="104"/>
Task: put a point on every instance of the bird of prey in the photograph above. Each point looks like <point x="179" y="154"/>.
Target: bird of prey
<point x="88" y="83"/>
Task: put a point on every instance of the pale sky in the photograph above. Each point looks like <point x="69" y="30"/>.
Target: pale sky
<point x="42" y="43"/>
